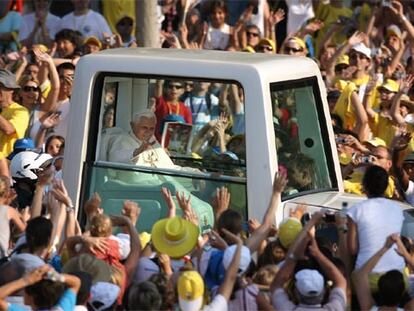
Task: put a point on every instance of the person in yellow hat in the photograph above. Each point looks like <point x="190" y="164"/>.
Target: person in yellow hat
<point x="266" y="45"/>
<point x="381" y="123"/>
<point x="295" y="46"/>
<point x="190" y="285"/>
<point x="91" y="45"/>
<point x="175" y="236"/>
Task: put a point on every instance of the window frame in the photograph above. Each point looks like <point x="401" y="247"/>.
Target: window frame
<point x="323" y="124"/>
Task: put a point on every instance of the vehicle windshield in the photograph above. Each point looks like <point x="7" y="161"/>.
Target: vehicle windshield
<point x="149" y="133"/>
<point x="301" y="135"/>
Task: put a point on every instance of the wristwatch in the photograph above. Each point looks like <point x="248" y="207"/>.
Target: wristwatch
<point x="70" y="209"/>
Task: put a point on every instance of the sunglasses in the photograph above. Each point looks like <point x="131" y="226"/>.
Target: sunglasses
<point x="30" y="89"/>
<point x="253" y="34"/>
<point x="175" y="86"/>
<point x="384" y="90"/>
<point x="357" y="55"/>
<point x="265" y="48"/>
<point x="294" y="50"/>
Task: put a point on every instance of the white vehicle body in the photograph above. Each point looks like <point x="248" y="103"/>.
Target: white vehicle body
<point x="255" y="73"/>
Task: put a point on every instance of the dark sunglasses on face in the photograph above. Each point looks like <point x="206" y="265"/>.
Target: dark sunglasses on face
<point x="253" y="34"/>
<point x="265" y="48"/>
<point x="122" y="24"/>
<point x="357" y="55"/>
<point x="295" y="50"/>
<point x="30" y="88"/>
<point x="175" y="86"/>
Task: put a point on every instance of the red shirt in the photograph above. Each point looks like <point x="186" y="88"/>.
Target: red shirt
<point x="164" y="108"/>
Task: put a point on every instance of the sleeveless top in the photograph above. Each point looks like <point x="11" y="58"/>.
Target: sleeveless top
<point x="217" y="38"/>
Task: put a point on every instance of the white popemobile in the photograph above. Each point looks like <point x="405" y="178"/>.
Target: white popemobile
<point x="278" y="102"/>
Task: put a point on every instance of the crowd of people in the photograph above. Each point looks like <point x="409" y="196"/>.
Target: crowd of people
<point x="354" y="259"/>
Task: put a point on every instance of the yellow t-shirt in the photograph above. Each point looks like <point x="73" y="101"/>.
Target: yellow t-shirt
<point x="18" y="116"/>
<point x="343" y="107"/>
<point x="354" y="184"/>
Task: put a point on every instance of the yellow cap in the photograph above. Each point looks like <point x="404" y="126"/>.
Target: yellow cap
<point x="376" y="142"/>
<point x="267" y="41"/>
<point x="390" y="85"/>
<point x="299" y="41"/>
<point x="144" y="238"/>
<point x="342" y="60"/>
<point x="288" y="231"/>
<point x="93" y="40"/>
<point x="190" y="287"/>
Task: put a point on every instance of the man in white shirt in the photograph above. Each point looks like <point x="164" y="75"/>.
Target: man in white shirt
<point x="140" y="146"/>
<point x="40" y="26"/>
<point x="372" y="221"/>
<point x="88" y="22"/>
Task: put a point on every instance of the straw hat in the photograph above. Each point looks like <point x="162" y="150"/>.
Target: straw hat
<point x="175" y="237"/>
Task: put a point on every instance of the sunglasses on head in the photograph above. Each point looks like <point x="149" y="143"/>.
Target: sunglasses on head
<point x="175" y="86"/>
<point x="253" y="34"/>
<point x="30" y="88"/>
<point x="295" y="50"/>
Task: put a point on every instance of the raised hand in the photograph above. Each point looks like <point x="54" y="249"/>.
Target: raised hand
<point x="93" y="205"/>
<point x="183" y="202"/>
<point x="221" y="200"/>
<point x="357" y="37"/>
<point x="276" y="17"/>
<point x="60" y="193"/>
<point x="42" y="56"/>
<point x="95" y="244"/>
<point x="279" y="183"/>
<point x="400" y="142"/>
<point x="166" y="194"/>
<point x="232" y="238"/>
<point x="406" y="84"/>
<point x="131" y="210"/>
<point x="51" y="120"/>
<point x="191" y="216"/>
<point x="36" y="275"/>
<point x="216" y="240"/>
<point x="314" y="26"/>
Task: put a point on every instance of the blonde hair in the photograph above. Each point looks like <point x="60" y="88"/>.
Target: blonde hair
<point x="101" y="226"/>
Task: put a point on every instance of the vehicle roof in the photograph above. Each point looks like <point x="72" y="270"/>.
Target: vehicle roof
<point x="286" y="65"/>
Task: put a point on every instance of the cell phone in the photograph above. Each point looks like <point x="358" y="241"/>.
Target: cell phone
<point x="366" y="159"/>
<point x="340" y="140"/>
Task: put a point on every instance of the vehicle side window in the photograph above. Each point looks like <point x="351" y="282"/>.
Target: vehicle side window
<point x="300" y="145"/>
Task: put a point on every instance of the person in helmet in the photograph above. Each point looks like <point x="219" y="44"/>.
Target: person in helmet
<point x="25" y="168"/>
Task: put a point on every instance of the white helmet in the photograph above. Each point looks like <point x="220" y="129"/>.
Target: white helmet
<point x="25" y="163"/>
